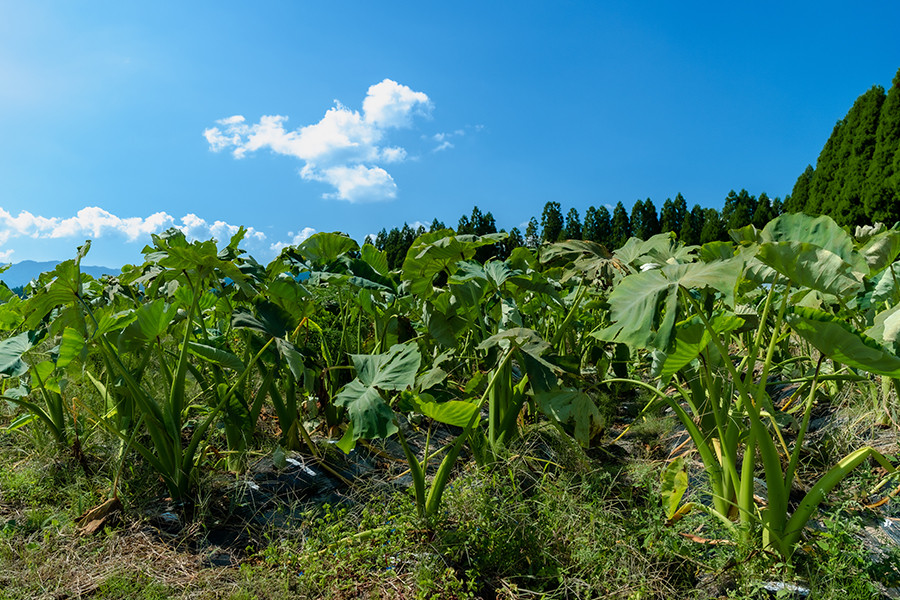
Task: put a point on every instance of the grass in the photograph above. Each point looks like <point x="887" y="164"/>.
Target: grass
<point x="550" y="522"/>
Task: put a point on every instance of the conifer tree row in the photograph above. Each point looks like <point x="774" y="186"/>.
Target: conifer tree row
<point x="856" y="179"/>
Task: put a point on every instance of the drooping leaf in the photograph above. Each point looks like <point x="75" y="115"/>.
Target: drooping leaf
<point x="674" y="485"/>
<point x="70" y="348"/>
<point x="324" y="247"/>
<point x="370" y="415"/>
<point x="573" y="407"/>
<point x="836" y="339"/>
<point x="810" y="266"/>
<point x="644" y="306"/>
<point x="11" y="351"/>
<point x="216" y="356"/>
<point x="692" y="338"/>
<point x="451" y="412"/>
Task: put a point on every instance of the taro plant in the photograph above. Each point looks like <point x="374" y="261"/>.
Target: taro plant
<point x="688" y="315"/>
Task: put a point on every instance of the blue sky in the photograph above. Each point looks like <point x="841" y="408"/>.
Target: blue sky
<point x="119" y="119"/>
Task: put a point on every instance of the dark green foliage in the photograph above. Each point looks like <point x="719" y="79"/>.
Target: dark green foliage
<point x="597" y="225"/>
<point x="551" y="222"/>
<point x="478" y="224"/>
<point x="436" y="226"/>
<point x="692" y="226"/>
<point x="799" y="198"/>
<point x="882" y="187"/>
<point x="532" y="237"/>
<point x="619" y="227"/>
<point x="738" y="209"/>
<point x="713" y="227"/>
<point x="672" y="215"/>
<point x="395" y="244"/>
<point x="573" y="225"/>
<point x="764" y="212"/>
<point x="855" y="180"/>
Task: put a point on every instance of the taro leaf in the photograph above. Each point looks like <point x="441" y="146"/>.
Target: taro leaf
<point x="692" y="338"/>
<point x="269" y="318"/>
<point x="886" y="284"/>
<point x="452" y="412"/>
<point x="217" y="356"/>
<point x="151" y="321"/>
<point x="817" y="231"/>
<point x="674" y="485"/>
<point x="573" y="407"/>
<point x="375" y="258"/>
<point x="438" y="251"/>
<point x="810" y="266"/>
<point x="292" y="357"/>
<point x="886" y="328"/>
<point x="635" y="303"/>
<point x="11" y="351"/>
<point x="324" y="247"/>
<point x="370" y="416"/>
<point x="442" y="321"/>
<point x="716" y="251"/>
<point x="837" y="340"/>
<point x="70" y="348"/>
<point x="881" y="250"/>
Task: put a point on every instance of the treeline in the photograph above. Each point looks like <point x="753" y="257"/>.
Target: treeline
<point x="695" y="226"/>
<point x="857" y="176"/>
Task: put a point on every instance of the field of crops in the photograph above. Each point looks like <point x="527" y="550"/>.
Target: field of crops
<point x="516" y="418"/>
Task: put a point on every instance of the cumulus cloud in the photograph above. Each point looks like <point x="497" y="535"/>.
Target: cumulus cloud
<point x="296" y="238"/>
<point x="94" y="222"/>
<point x="344" y="149"/>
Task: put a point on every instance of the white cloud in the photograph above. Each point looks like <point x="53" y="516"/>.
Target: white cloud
<point x="94" y="222"/>
<point x="343" y="149"/>
<point x="297" y="238"/>
<point x="443" y="139"/>
<point x="390" y="104"/>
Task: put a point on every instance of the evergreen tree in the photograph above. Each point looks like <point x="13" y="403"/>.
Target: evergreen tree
<point x="777" y="207"/>
<point x="436" y="226"/>
<point x="857" y="148"/>
<point x="763" y="213"/>
<point x="596" y="225"/>
<point x="713" y="227"/>
<point x="798" y="201"/>
<point x="573" y="225"/>
<point x="513" y="240"/>
<point x="551" y="222"/>
<point x="619" y="227"/>
<point x="637" y="220"/>
<point x="649" y="219"/>
<point x="881" y="195"/>
<point x="692" y="226"/>
<point x="738" y="209"/>
<point x="532" y="238"/>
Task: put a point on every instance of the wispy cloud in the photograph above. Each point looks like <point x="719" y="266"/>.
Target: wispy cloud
<point x="344" y="149"/>
<point x="443" y="139"/>
<point x="93" y="222"/>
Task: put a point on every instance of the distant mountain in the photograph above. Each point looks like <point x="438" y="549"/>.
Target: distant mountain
<point x="22" y="272"/>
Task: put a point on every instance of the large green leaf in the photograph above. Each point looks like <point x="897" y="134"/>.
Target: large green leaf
<point x="451" y="412"/>
<point x="370" y="415"/>
<point x="216" y="356"/>
<point x="691" y="338"/>
<point x="881" y="250"/>
<point x="644" y="306"/>
<point x="11" y="351"/>
<point x="571" y="406"/>
<point x="434" y="252"/>
<point x="837" y="340"/>
<point x="817" y="231"/>
<point x="807" y="265"/>
<point x="326" y="247"/>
